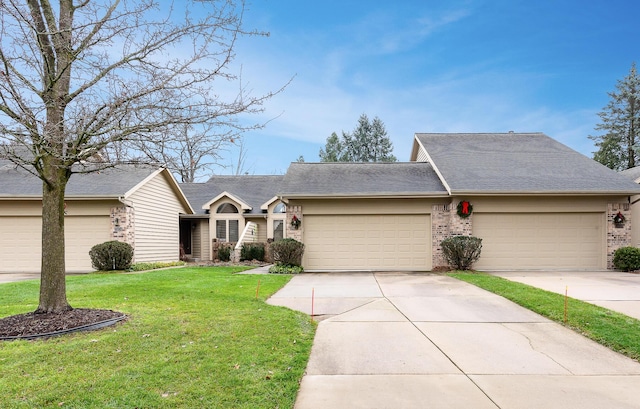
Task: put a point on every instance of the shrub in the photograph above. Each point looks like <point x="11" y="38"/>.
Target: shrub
<point x="252" y="251"/>
<point x="287" y="252"/>
<point x="282" y="269"/>
<point x="111" y="255"/>
<point x="627" y="259"/>
<point x="224" y="253"/>
<point x="461" y="251"/>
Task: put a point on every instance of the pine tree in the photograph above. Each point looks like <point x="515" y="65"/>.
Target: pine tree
<point x="618" y="147"/>
<point x="368" y="142"/>
<point x="333" y="150"/>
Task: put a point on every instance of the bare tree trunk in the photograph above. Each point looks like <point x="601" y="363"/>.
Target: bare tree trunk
<point x="53" y="295"/>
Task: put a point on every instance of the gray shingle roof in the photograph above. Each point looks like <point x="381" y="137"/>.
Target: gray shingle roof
<point x="356" y="179"/>
<point x="632" y="173"/>
<point x="518" y="163"/>
<point x="112" y="182"/>
<point x="252" y="189"/>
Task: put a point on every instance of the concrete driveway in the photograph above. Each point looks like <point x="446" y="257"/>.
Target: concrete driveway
<point x="393" y="340"/>
<point x="13" y="277"/>
<point x="614" y="290"/>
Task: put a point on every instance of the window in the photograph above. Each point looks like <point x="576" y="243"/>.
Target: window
<point x="280" y="208"/>
<point x="278" y="230"/>
<point x="227" y="230"/>
<point x="227" y="208"/>
<point x="234" y="234"/>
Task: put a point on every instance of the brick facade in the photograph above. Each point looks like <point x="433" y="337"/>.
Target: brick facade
<point x="123" y="224"/>
<point x="617" y="235"/>
<point x="446" y="223"/>
<point x="292" y="232"/>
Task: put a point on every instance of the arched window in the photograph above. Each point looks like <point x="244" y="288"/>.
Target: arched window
<point x="227" y="226"/>
<point x="227" y="208"/>
<point x="280" y="208"/>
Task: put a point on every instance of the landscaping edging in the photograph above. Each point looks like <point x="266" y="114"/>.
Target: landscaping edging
<point x="88" y="327"/>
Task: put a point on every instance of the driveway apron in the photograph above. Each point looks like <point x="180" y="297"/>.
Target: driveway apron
<point x="395" y="340"/>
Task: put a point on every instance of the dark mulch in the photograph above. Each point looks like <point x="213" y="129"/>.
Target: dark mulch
<point x="30" y="324"/>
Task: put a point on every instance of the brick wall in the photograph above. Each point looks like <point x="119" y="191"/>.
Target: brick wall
<point x="446" y="223"/>
<point x="440" y="217"/>
<point x="617" y="235"/>
<point x="123" y="225"/>
<point x="293" y="233"/>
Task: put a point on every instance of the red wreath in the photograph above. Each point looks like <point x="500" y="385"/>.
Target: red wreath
<point x="465" y="209"/>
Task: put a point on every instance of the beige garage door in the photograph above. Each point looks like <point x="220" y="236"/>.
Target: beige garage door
<point x="21" y="249"/>
<point x="363" y="242"/>
<point x="540" y="241"/>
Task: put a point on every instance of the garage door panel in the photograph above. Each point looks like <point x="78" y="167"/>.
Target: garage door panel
<point x="21" y="242"/>
<point x="540" y="240"/>
<point x="367" y="242"/>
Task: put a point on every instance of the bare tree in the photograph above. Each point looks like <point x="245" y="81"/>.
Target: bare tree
<point x="187" y="150"/>
<point x="240" y="167"/>
<point x="79" y="76"/>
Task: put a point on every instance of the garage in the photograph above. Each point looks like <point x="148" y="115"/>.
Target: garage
<point x="367" y="242"/>
<point x="20" y="250"/>
<point x="540" y="240"/>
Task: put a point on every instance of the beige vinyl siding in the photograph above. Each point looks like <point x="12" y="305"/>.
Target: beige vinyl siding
<point x="422" y="155"/>
<point x="205" y="240"/>
<point x="20" y="208"/>
<point x="157" y="227"/>
<point x="21" y="243"/>
<point x="262" y="229"/>
<point x="200" y="240"/>
<point x="365" y="206"/>
<point x="196" y="240"/>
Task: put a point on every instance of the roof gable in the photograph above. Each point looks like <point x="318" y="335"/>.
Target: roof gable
<point x="243" y="205"/>
<point x="253" y="190"/>
<point x="516" y="163"/>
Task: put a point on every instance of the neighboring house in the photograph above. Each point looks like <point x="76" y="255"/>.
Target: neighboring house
<point x="139" y="205"/>
<point x="536" y="204"/>
<point x="224" y="205"/>
<point x="634" y="175"/>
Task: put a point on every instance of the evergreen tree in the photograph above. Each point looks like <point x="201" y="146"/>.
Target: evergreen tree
<point x="333" y="150"/>
<point x="618" y="147"/>
<point x="368" y="142"/>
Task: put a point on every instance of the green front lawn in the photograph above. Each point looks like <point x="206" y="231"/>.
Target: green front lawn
<point x="614" y="330"/>
<point x="196" y="338"/>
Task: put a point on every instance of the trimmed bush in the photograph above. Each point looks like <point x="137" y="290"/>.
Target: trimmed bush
<point x="282" y="269"/>
<point x="252" y="251"/>
<point x="111" y="255"/>
<point x="224" y="253"/>
<point x="287" y="252"/>
<point x="461" y="251"/>
<point x="627" y="259"/>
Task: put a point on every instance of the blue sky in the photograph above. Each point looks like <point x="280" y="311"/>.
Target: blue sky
<point x="430" y="66"/>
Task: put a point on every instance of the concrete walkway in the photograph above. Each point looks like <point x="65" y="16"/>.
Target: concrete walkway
<point x="392" y="340"/>
<point x="614" y="290"/>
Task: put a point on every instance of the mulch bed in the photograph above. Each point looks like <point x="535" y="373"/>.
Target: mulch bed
<point x="30" y="324"/>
